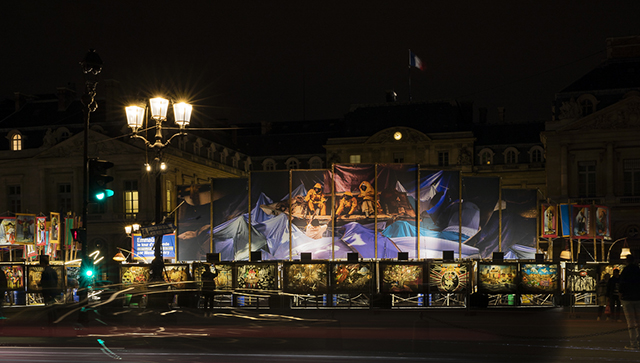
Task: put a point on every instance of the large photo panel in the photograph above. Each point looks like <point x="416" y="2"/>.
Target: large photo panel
<point x="229" y="209"/>
<point x="311" y="222"/>
<point x="194" y="221"/>
<point x="356" y="229"/>
<point x="269" y="214"/>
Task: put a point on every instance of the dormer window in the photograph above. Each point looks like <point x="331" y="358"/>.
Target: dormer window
<point x="587" y="104"/>
<point x="16" y="142"/>
<point x="486" y="157"/>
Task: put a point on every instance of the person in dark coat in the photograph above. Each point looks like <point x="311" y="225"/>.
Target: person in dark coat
<point x="49" y="286"/>
<point x="630" y="297"/>
<point x="209" y="285"/>
<point x="613" y="294"/>
<point x="3" y="289"/>
<point x="48" y="282"/>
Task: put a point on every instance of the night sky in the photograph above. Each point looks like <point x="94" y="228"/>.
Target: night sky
<point x="244" y="61"/>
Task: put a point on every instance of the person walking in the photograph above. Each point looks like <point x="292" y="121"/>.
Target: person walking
<point x="49" y="286"/>
<point x="209" y="285"/>
<point x="601" y="293"/>
<point x="613" y="294"/>
<point x="3" y="289"/>
<point x="630" y="297"/>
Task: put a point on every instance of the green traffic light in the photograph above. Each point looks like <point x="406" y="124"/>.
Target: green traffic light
<point x="89" y="273"/>
<point x="100" y="196"/>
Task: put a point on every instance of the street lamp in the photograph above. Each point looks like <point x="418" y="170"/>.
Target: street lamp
<point x="158" y="112"/>
<point x="625" y="250"/>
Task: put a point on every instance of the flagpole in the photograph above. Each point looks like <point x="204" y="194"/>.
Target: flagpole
<point x="409" y="75"/>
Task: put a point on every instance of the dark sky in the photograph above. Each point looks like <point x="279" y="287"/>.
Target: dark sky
<point x="259" y="60"/>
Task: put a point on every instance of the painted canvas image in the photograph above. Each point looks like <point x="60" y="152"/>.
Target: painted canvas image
<point x="602" y="221"/>
<point x="449" y="277"/>
<point x="497" y="279"/>
<point x="41" y="231"/>
<point x="34" y="275"/>
<point x="7" y="230"/>
<point x="258" y="277"/>
<point x="26" y="228"/>
<point x="581" y="277"/>
<point x="306" y="278"/>
<point x="581" y="219"/>
<point x="15" y="276"/>
<point x="134" y="275"/>
<point x="351" y="277"/>
<point x="549" y="221"/>
<point x="55" y="227"/>
<point x="402" y="277"/>
<point x="539" y="278"/>
<point x="177" y="275"/>
<point x="224" y="280"/>
<point x="608" y="269"/>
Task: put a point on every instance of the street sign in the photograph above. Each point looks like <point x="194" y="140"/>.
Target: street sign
<point x="157" y="230"/>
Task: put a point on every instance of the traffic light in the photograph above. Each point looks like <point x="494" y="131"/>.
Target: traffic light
<point x="79" y="234"/>
<point x="98" y="180"/>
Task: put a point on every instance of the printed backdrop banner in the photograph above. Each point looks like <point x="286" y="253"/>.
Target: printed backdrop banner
<point x="194" y="221"/>
<point x="369" y="209"/>
<point x="230" y="208"/>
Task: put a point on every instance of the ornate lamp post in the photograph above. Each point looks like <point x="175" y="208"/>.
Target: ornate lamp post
<point x="158" y="112"/>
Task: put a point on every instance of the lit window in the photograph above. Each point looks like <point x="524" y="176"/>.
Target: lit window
<point x="354" y="159"/>
<point x="16" y="142"/>
<point x="168" y="194"/>
<point x="131" y="199"/>
<point x="486" y="157"/>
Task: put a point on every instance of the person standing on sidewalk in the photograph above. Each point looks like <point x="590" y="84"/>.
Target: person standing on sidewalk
<point x="630" y="297"/>
<point x="209" y="285"/>
<point x="613" y="294"/>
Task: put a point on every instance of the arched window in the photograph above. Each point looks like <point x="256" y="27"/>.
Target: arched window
<point x="315" y="163"/>
<point x="16" y="142"/>
<point x="536" y="154"/>
<point x="486" y="157"/>
<point x="511" y="156"/>
<point x="269" y="164"/>
<point x="587" y="104"/>
<point x="292" y="163"/>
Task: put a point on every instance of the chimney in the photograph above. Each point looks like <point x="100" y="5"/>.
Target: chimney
<point x="623" y="47"/>
<point x="266" y="127"/>
<point x="501" y="114"/>
<point x="65" y="96"/>
<point x="482" y="115"/>
<point x="391" y="96"/>
<point x="20" y="100"/>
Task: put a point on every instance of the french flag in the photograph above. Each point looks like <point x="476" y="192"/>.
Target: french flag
<point x="414" y="61"/>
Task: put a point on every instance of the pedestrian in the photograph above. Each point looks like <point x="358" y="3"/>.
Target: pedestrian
<point x="601" y="292"/>
<point x="613" y="294"/>
<point x="48" y="282"/>
<point x="630" y="296"/>
<point x="209" y="285"/>
<point x="49" y="286"/>
<point x="3" y="289"/>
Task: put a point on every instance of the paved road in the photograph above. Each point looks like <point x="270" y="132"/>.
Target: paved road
<point x="378" y="335"/>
